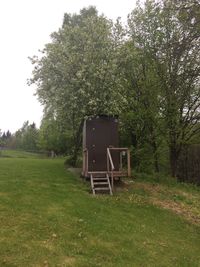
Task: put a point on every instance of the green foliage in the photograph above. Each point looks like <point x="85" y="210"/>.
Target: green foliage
<point x="26" y="138"/>
<point x="142" y="119"/>
<point x="168" y="36"/>
<point x="53" y="138"/>
<point x="5" y="139"/>
<point x="147" y="73"/>
<point x="77" y="74"/>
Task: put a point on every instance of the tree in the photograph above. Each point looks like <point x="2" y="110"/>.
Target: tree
<point x="77" y="74"/>
<point x="141" y="117"/>
<point x="168" y="33"/>
<point x="26" y="138"/>
<point x="1" y="141"/>
<point x="52" y="137"/>
<point x="5" y="138"/>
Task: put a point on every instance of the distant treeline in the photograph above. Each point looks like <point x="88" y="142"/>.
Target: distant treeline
<point x="29" y="138"/>
<point x="26" y="138"/>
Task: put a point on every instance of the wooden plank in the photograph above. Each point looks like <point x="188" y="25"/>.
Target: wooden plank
<point x="99" y="183"/>
<point x="115" y="173"/>
<point x="109" y="184"/>
<point x="86" y="171"/>
<point x="98" y="172"/>
<point x="129" y="163"/>
<point x="108" y="165"/>
<point x="110" y="159"/>
<point x="102" y="188"/>
<point x="120" y="164"/>
<point x="99" y="179"/>
<point x="118" y="148"/>
<point x="83" y="170"/>
<point x="92" y="184"/>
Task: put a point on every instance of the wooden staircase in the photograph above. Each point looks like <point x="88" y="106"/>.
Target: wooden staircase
<point x="100" y="183"/>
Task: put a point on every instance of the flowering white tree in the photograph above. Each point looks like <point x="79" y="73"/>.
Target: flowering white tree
<point x="78" y="74"/>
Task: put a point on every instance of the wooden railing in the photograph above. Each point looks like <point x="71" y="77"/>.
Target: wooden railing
<point x="112" y="170"/>
<point x="110" y="162"/>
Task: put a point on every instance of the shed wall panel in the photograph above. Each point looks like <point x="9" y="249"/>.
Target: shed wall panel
<point x="100" y="133"/>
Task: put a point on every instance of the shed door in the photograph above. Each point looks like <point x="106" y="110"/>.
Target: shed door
<point x="101" y="133"/>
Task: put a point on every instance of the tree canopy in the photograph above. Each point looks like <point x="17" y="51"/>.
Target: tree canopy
<point x="147" y="72"/>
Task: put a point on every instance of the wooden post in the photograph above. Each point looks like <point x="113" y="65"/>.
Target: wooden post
<point x="86" y="163"/>
<point x="120" y="166"/>
<point x="107" y="161"/>
<point x="129" y="162"/>
<point x="83" y="170"/>
<point x="112" y="180"/>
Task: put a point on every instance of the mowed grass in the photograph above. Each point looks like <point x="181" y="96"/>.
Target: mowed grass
<point x="19" y="154"/>
<point x="49" y="218"/>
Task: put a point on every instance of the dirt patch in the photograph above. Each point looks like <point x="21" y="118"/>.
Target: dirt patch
<point x="4" y="194"/>
<point x="102" y="243"/>
<point x="179" y="209"/>
<point x="182" y="203"/>
<point x="76" y="171"/>
<point x="68" y="261"/>
<point x="151" y="188"/>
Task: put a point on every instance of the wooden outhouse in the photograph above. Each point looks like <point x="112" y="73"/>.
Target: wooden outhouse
<point x="102" y="156"/>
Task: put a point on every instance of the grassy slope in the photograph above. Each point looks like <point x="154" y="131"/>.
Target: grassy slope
<point x="18" y="154"/>
<point x="47" y="218"/>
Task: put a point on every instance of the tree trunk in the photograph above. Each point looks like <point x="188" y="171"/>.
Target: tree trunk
<point x="174" y="155"/>
<point x="155" y="155"/>
<point x="156" y="165"/>
<point x="133" y="139"/>
<point x="77" y="145"/>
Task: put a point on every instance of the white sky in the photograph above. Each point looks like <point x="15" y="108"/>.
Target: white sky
<point x="25" y="26"/>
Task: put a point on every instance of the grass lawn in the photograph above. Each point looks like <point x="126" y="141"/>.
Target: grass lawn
<point x="48" y="218"/>
<point x="19" y="154"/>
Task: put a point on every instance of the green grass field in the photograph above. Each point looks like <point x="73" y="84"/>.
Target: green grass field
<point x="19" y="154"/>
<point x="49" y="218"/>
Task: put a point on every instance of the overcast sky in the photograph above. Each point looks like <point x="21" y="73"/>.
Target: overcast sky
<point x="25" y="26"/>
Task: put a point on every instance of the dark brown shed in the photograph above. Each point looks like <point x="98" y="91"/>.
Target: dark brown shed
<point x="99" y="133"/>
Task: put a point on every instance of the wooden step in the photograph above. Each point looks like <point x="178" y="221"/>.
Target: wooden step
<point x="99" y="172"/>
<point x="101" y="188"/>
<point x="97" y="181"/>
<point x="100" y="179"/>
